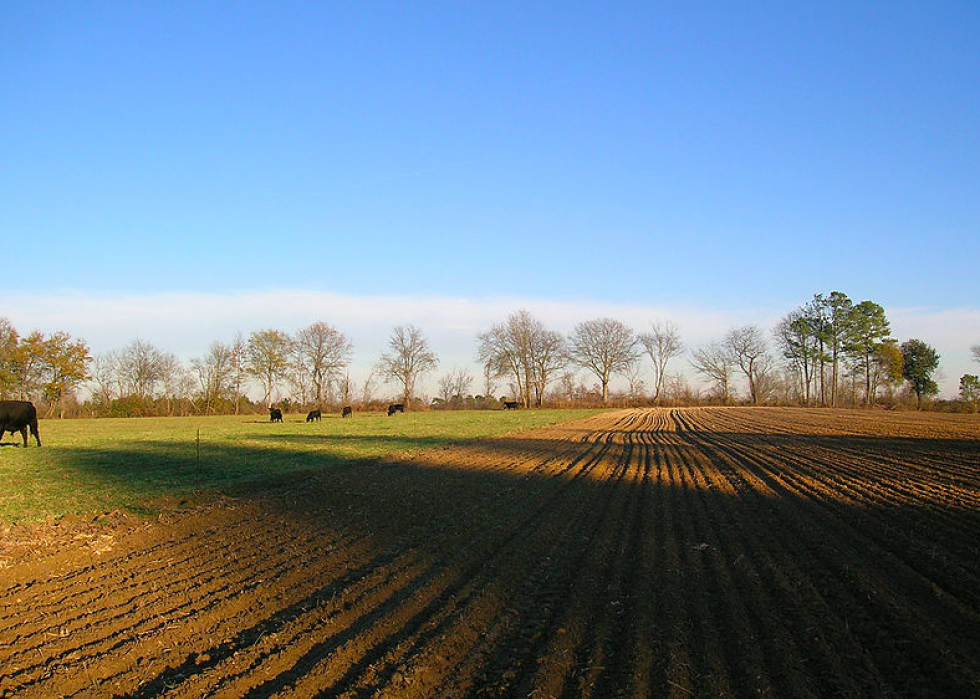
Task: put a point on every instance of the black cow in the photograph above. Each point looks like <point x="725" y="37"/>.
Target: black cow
<point x="17" y="416"/>
<point x="396" y="408"/>
<point x="275" y="415"/>
<point x="347" y="412"/>
<point x="313" y="415"/>
<point x="510" y="405"/>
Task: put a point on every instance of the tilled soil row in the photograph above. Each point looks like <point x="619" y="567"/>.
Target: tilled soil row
<point x="903" y="609"/>
<point x="716" y="552"/>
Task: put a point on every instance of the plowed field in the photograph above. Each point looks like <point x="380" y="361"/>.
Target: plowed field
<point x="716" y="552"/>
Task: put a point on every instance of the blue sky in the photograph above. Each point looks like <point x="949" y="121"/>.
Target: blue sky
<point x="718" y="157"/>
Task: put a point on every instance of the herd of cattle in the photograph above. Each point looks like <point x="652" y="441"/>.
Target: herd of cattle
<point x="275" y="414"/>
<point x="315" y="415"/>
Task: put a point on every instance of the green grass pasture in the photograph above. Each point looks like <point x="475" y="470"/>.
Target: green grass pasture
<point x="88" y="466"/>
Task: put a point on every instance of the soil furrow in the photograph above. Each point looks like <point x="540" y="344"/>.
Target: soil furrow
<point x="878" y="584"/>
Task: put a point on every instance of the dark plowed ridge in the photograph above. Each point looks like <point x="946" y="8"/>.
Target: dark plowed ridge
<point x="716" y="552"/>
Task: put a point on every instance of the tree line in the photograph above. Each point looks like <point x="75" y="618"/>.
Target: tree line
<point x="826" y="346"/>
<point x="829" y="352"/>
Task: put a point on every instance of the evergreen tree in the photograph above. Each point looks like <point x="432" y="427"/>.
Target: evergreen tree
<point x="970" y="390"/>
<point x="835" y="311"/>
<point x="868" y="328"/>
<point x="796" y="335"/>
<point x="919" y="361"/>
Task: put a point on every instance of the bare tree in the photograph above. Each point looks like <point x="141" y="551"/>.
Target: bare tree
<point x="346" y="389"/>
<point x="549" y="354"/>
<point x="408" y="357"/>
<point x="322" y="353"/>
<point x="975" y="351"/>
<point x="715" y="362"/>
<point x="172" y="379"/>
<point x="267" y="359"/>
<point x="215" y="375"/>
<point x="523" y="349"/>
<point x="567" y="386"/>
<point x="747" y="347"/>
<point x="635" y="383"/>
<point x="105" y="378"/>
<point x="604" y="346"/>
<point x="140" y="370"/>
<point x="507" y="349"/>
<point x="300" y="385"/>
<point x="185" y="390"/>
<point x="454" y="386"/>
<point x="661" y="344"/>
<point x="489" y="382"/>
<point x="367" y="390"/>
<point x="680" y="392"/>
<point x="239" y="358"/>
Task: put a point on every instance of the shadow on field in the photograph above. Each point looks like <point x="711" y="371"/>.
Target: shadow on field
<point x="262" y="462"/>
<point x="615" y="554"/>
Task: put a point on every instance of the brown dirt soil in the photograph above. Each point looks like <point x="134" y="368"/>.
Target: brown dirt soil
<point x="715" y="552"/>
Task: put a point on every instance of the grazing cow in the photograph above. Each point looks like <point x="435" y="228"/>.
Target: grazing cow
<point x="510" y="405"/>
<point x="313" y="415"/>
<point x="17" y="416"/>
<point x="275" y="415"/>
<point x="347" y="412"/>
<point x="396" y="408"/>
